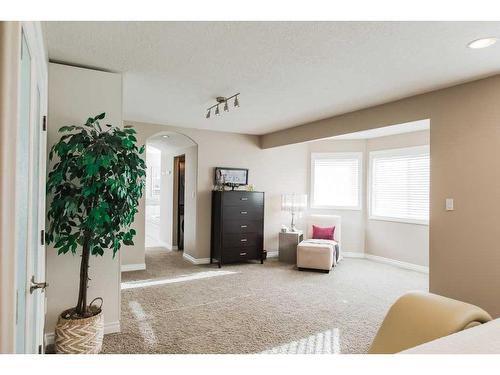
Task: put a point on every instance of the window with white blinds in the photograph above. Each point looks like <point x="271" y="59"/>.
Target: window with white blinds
<point x="399" y="184"/>
<point x="336" y="180"/>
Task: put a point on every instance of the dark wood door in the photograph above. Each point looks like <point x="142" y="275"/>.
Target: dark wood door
<point x="180" y="199"/>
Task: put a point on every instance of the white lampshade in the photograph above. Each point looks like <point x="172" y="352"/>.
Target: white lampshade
<point x="293" y="202"/>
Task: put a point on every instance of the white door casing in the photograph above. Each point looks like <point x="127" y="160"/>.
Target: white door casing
<point x="30" y="334"/>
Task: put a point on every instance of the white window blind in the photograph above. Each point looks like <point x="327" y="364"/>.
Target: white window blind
<point x="336" y="180"/>
<point x="399" y="184"/>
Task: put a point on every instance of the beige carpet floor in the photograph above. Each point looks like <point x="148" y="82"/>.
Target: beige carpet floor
<point x="176" y="307"/>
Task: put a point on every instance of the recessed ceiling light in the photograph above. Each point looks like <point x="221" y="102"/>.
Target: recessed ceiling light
<point x="165" y="136"/>
<point x="482" y="43"/>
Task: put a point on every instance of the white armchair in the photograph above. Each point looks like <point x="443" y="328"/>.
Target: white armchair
<point x="320" y="254"/>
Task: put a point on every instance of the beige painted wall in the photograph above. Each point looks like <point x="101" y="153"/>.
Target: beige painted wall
<point x="275" y="175"/>
<point x="353" y="221"/>
<point x="74" y="95"/>
<point x="464" y="254"/>
<point x="400" y="241"/>
<point x="274" y="171"/>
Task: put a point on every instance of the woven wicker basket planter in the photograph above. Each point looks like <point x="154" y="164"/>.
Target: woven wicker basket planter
<point x="79" y="336"/>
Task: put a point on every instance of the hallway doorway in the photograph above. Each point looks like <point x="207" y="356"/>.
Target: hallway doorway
<point x="171" y="176"/>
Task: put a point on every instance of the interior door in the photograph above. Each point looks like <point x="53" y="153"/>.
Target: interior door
<point x="30" y="202"/>
<point x="22" y="193"/>
<point x="36" y="249"/>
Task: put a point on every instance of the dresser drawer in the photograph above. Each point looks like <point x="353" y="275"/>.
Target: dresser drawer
<point x="242" y="226"/>
<point x="238" y="254"/>
<point x="243" y="240"/>
<point x="242" y="212"/>
<point x="242" y="198"/>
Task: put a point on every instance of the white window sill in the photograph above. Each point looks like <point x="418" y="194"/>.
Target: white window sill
<point x="399" y="220"/>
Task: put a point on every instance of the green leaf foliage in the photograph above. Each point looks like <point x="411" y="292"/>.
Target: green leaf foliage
<point x="95" y="187"/>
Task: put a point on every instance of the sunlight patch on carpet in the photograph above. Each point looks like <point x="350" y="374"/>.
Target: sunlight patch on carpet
<point x="155" y="282"/>
<point x="145" y="328"/>
<point x="327" y="342"/>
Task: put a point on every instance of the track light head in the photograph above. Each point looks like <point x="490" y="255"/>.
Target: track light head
<point x="222" y="103"/>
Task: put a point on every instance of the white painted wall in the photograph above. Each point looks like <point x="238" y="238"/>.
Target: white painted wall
<point x="166" y="198"/>
<point x="154" y="166"/>
<point x="74" y="95"/>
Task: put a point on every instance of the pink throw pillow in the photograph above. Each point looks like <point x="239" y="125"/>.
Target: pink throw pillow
<point x="323" y="233"/>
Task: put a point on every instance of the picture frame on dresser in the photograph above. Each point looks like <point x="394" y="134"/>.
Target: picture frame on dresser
<point x="237" y="229"/>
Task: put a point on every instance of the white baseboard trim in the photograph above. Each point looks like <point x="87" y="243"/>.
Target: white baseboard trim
<point x="392" y="262"/>
<point x="112" y="327"/>
<point x="398" y="263"/>
<point x="133" y="267"/>
<point x="195" y="260"/>
<point x="273" y="254"/>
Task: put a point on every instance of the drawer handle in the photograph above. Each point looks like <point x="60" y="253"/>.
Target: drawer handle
<point x="243" y="240"/>
<point x="243" y="254"/>
<point x="243" y="226"/>
<point x="244" y="199"/>
<point x="243" y="212"/>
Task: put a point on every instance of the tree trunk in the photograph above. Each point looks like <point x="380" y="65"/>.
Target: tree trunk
<point x="81" y="306"/>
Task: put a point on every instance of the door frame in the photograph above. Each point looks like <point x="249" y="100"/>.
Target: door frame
<point x="11" y="33"/>
<point x="35" y="314"/>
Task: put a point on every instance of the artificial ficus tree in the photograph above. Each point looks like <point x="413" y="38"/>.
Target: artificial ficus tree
<point x="95" y="187"/>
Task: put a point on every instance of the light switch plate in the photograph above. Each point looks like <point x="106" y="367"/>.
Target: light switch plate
<point x="449" y="204"/>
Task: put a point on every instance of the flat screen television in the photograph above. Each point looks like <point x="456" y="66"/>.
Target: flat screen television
<point x="231" y="176"/>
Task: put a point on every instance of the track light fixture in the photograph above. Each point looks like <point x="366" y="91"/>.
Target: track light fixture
<point x="223" y="100"/>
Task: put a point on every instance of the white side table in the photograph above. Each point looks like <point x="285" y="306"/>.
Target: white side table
<point x="288" y="242"/>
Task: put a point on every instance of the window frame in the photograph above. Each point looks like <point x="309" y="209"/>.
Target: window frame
<point x="338" y="155"/>
<point x="394" y="151"/>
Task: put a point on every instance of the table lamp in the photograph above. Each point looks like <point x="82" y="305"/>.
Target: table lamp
<point x="293" y="203"/>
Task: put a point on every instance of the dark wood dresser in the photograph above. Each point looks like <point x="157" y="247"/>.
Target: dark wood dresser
<point x="237" y="226"/>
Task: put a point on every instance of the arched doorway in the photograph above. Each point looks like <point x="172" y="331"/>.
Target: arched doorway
<point x="171" y="178"/>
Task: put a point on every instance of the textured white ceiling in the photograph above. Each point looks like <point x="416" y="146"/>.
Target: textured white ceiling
<point x="288" y="73"/>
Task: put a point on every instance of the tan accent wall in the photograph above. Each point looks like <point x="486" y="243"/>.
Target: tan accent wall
<point x="10" y="33"/>
<point x="74" y="95"/>
<point x="464" y="257"/>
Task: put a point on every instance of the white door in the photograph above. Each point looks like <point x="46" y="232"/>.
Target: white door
<point x="30" y="198"/>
